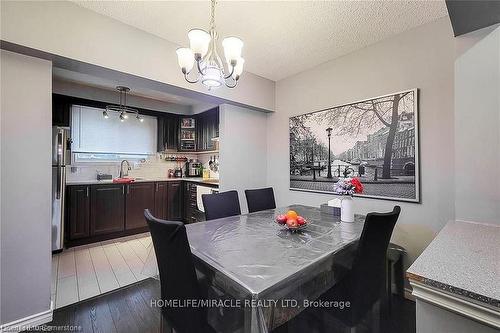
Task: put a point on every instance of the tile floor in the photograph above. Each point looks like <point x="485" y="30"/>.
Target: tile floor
<point x="86" y="271"/>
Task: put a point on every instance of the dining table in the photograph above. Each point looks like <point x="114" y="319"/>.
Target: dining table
<point x="269" y="273"/>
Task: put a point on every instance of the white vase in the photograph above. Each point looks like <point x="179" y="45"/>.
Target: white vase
<point x="347" y="209"/>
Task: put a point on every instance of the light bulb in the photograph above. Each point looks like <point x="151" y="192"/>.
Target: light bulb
<point x="232" y="49"/>
<point x="185" y="58"/>
<point x="125" y="115"/>
<point x="238" y="69"/>
<point x="198" y="42"/>
<point x="122" y="118"/>
<point x="140" y="118"/>
<point x="105" y="114"/>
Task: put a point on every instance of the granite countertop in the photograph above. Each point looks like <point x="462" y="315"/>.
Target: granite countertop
<point x="463" y="260"/>
<point x="210" y="181"/>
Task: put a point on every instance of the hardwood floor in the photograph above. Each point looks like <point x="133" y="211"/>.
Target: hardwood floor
<point x="128" y="310"/>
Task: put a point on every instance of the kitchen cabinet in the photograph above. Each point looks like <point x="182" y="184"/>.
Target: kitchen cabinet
<point x="78" y="212"/>
<point x="207" y="128"/>
<point x="174" y="201"/>
<point x="168" y="132"/>
<point x="138" y="197"/>
<point x="107" y="209"/>
<point x="161" y="200"/>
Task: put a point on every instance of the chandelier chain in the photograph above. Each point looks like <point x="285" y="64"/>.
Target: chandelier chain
<point x="212" y="15"/>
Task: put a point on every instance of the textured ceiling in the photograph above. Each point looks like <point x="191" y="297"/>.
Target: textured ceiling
<point x="281" y="38"/>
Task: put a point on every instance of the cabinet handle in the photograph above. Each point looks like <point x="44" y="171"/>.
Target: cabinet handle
<point x="156" y="185"/>
<point x="87" y="191"/>
<point x="128" y="189"/>
<point x="123" y="190"/>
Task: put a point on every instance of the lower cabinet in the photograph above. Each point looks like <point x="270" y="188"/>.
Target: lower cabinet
<point x="102" y="211"/>
<point x="107" y="211"/>
<point x="78" y="212"/>
<point x="138" y="197"/>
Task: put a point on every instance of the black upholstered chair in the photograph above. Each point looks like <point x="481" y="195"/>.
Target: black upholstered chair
<point x="260" y="199"/>
<point x="219" y="205"/>
<point x="363" y="284"/>
<point x="178" y="277"/>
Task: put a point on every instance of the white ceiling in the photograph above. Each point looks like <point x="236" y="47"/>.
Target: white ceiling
<point x="281" y="38"/>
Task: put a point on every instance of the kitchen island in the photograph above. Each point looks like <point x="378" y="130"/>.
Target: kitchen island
<point x="456" y="280"/>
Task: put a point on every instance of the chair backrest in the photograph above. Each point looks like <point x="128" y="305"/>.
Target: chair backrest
<point x="219" y="205"/>
<point x="260" y="199"/>
<point x="368" y="269"/>
<point x="177" y="273"/>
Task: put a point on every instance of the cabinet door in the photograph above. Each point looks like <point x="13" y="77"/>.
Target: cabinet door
<point x="138" y="197"/>
<point x="161" y="200"/>
<point x="107" y="209"/>
<point x="174" y="198"/>
<point x="168" y="132"/>
<point x="79" y="212"/>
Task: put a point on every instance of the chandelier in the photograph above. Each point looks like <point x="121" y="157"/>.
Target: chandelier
<point x="203" y="50"/>
<point x="123" y="109"/>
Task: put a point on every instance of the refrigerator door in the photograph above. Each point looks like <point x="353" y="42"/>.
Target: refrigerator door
<point x="58" y="196"/>
<point x="61" y="146"/>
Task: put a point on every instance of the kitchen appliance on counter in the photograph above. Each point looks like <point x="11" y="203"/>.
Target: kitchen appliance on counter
<point x="193" y="169"/>
<point x="61" y="157"/>
<point x="178" y="173"/>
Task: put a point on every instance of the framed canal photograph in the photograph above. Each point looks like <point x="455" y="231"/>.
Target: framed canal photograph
<point x="374" y="140"/>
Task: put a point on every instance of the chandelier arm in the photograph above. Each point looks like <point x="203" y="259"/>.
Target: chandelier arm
<point x="191" y="81"/>
<point x="200" y="70"/>
<point x="231" y="86"/>
<point x="230" y="74"/>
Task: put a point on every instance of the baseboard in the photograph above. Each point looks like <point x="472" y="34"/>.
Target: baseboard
<point x="27" y="322"/>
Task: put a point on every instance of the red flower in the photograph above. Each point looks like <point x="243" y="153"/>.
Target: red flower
<point x="358" y="187"/>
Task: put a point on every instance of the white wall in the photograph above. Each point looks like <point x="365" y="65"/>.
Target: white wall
<point x="68" y="30"/>
<point x="420" y="58"/>
<point x="243" y="150"/>
<point x="26" y="116"/>
<point x="477" y="126"/>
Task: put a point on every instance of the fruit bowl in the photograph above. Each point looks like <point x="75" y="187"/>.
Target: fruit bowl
<point x="291" y="220"/>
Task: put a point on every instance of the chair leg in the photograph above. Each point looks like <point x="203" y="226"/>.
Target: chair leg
<point x="375" y="320"/>
<point x="388" y="301"/>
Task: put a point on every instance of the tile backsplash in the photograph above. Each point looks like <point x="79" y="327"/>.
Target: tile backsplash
<point x="153" y="167"/>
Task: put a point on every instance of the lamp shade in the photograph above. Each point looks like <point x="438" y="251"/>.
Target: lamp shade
<point x="198" y="42"/>
<point x="212" y="76"/>
<point x="238" y="69"/>
<point x="232" y="48"/>
<point x="185" y="58"/>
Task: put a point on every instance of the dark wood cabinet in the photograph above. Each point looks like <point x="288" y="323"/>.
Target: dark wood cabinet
<point x="168" y="132"/>
<point x="107" y="209"/>
<point x="138" y="197"/>
<point x="78" y="212"/>
<point x="207" y="128"/>
<point x="174" y="199"/>
<point x="161" y="200"/>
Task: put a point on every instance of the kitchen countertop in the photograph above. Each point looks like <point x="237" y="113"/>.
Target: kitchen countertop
<point x="209" y="181"/>
<point x="463" y="260"/>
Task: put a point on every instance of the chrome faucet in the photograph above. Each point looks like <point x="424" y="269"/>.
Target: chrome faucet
<point x="122" y="174"/>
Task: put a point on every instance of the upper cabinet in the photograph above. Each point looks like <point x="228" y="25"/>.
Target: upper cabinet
<point x="188" y="133"/>
<point x="168" y="132"/>
<point x="207" y="130"/>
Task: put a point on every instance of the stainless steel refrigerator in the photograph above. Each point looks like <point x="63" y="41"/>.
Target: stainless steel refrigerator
<point x="61" y="157"/>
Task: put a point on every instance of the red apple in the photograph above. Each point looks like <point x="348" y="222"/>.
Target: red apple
<point x="281" y="219"/>
<point x="301" y="220"/>
<point x="291" y="223"/>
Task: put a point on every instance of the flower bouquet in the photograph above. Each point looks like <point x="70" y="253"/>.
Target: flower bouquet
<point x="347" y="187"/>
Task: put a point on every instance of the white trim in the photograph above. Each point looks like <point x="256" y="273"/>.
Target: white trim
<point x="455" y="304"/>
<point x="30" y="321"/>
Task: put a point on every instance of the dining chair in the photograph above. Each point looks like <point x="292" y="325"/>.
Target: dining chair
<point x="363" y="284"/>
<point x="260" y="199"/>
<point x="219" y="205"/>
<point x="178" y="279"/>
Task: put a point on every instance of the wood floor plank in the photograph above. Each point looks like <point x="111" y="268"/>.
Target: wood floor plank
<point x="122" y="271"/>
<point x="105" y="276"/>
<point x="135" y="264"/>
<point x="146" y="317"/>
<point x="66" y="264"/>
<point x="67" y="291"/>
<point x="86" y="275"/>
<point x="121" y="313"/>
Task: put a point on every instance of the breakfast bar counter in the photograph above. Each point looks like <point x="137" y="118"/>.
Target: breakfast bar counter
<point x="459" y="272"/>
